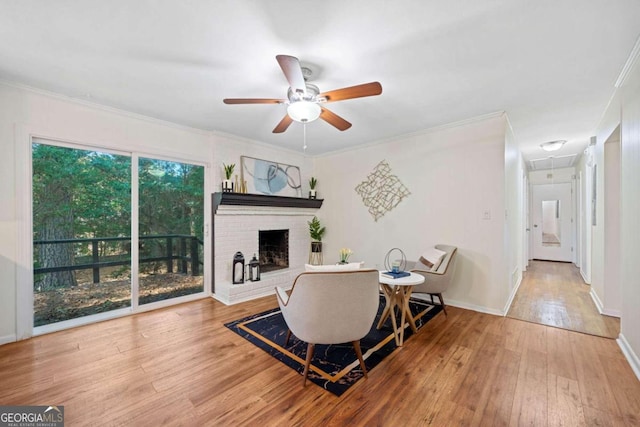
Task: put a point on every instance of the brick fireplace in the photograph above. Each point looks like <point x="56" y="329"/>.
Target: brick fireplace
<point x="242" y="227"/>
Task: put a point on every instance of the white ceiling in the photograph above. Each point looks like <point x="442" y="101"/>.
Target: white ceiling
<point x="550" y="64"/>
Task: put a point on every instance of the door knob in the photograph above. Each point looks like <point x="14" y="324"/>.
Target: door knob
<point x="535" y="225"/>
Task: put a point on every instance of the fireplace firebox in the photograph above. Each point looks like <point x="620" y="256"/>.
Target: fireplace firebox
<point x="273" y="250"/>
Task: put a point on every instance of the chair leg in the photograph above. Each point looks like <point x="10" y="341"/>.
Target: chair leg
<point x="286" y="341"/>
<point x="307" y="362"/>
<point x="356" y="346"/>
<point x="444" y="307"/>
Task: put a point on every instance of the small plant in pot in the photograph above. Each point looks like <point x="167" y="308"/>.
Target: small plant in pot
<point x="312" y="187"/>
<point x="345" y="253"/>
<point x="227" y="185"/>
<point x="316" y="231"/>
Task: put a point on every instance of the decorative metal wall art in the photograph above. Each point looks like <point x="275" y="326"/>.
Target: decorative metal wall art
<point x="381" y="191"/>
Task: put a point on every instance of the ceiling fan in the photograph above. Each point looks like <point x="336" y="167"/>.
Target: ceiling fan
<point x="304" y="100"/>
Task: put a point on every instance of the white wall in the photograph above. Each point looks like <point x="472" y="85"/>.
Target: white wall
<point x="630" y="212"/>
<point x="514" y="224"/>
<point x="584" y="171"/>
<point x="612" y="296"/>
<point x="598" y="230"/>
<point x="604" y="266"/>
<point x="455" y="175"/>
<point x="558" y="176"/>
<point x="623" y="111"/>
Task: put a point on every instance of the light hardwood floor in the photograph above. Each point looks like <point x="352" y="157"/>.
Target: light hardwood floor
<point x="181" y="366"/>
<point x="554" y="294"/>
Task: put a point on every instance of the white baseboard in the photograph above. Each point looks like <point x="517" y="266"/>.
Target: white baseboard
<point x="584" y="277"/>
<point x="596" y="300"/>
<point x="8" y="338"/>
<point x="478" y="308"/>
<point x="220" y="298"/>
<point x="612" y="313"/>
<point x="234" y="299"/>
<point x="507" y="306"/>
<point x="600" y="306"/>
<point x="629" y="354"/>
<point x="487" y="310"/>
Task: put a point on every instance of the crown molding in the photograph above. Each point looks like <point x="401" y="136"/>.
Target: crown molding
<point x="103" y="107"/>
<point x="628" y="66"/>
<point x="427" y="131"/>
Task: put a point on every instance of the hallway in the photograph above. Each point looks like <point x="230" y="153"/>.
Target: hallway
<point x="554" y="294"/>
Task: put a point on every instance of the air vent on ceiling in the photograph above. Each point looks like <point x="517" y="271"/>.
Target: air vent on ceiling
<point x="553" y="162"/>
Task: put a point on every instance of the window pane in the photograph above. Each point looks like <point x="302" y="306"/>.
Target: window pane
<point x="81" y="227"/>
<point x="171" y="224"/>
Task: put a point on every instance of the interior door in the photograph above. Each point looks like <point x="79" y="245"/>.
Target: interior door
<point x="552" y="216"/>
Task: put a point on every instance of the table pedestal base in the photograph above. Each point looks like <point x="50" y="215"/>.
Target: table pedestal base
<point x="397" y="296"/>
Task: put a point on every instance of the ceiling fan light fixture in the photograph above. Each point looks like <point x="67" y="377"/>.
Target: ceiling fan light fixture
<point x="304" y="111"/>
<point x="552" y="145"/>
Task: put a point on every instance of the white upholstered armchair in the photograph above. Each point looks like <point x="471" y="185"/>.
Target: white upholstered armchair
<point x="331" y="308"/>
<point x="437" y="280"/>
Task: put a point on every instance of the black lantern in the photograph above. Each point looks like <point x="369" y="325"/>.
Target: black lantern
<point x="254" y="269"/>
<point x="238" y="268"/>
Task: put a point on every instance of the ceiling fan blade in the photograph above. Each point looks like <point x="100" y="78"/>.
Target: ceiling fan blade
<point x="359" y="91"/>
<point x="334" y="120"/>
<point x="293" y="72"/>
<point x="283" y="125"/>
<point x="252" y="101"/>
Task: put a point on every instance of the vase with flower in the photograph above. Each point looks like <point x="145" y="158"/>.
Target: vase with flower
<point x="345" y="253"/>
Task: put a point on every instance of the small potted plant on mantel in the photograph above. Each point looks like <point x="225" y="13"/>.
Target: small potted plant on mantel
<point x="312" y="187"/>
<point x="316" y="231"/>
<point x="227" y="184"/>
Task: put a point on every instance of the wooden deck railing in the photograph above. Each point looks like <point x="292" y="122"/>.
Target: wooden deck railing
<point x="187" y="252"/>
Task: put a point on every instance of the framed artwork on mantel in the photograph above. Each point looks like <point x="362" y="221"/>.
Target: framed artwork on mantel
<point x="271" y="178"/>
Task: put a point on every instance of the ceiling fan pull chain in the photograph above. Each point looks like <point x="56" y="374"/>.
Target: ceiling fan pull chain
<point x="304" y="137"/>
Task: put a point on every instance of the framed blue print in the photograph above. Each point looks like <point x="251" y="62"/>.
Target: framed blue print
<point x="269" y="177"/>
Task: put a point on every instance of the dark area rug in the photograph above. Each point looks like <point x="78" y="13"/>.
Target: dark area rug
<point x="333" y="367"/>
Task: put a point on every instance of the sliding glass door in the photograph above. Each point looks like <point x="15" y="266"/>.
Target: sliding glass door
<point x="81" y="223"/>
<point x="171" y="227"/>
<point x="112" y="231"/>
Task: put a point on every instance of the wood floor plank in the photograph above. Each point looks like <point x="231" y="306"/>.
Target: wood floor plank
<point x="182" y="366"/>
<point x="439" y="392"/>
<point x="559" y="357"/>
<point x="595" y="389"/>
<point x="495" y="409"/>
<point x="530" y="397"/>
<point x="596" y="418"/>
<point x="565" y="406"/>
<point x="480" y="369"/>
<point x="623" y="386"/>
